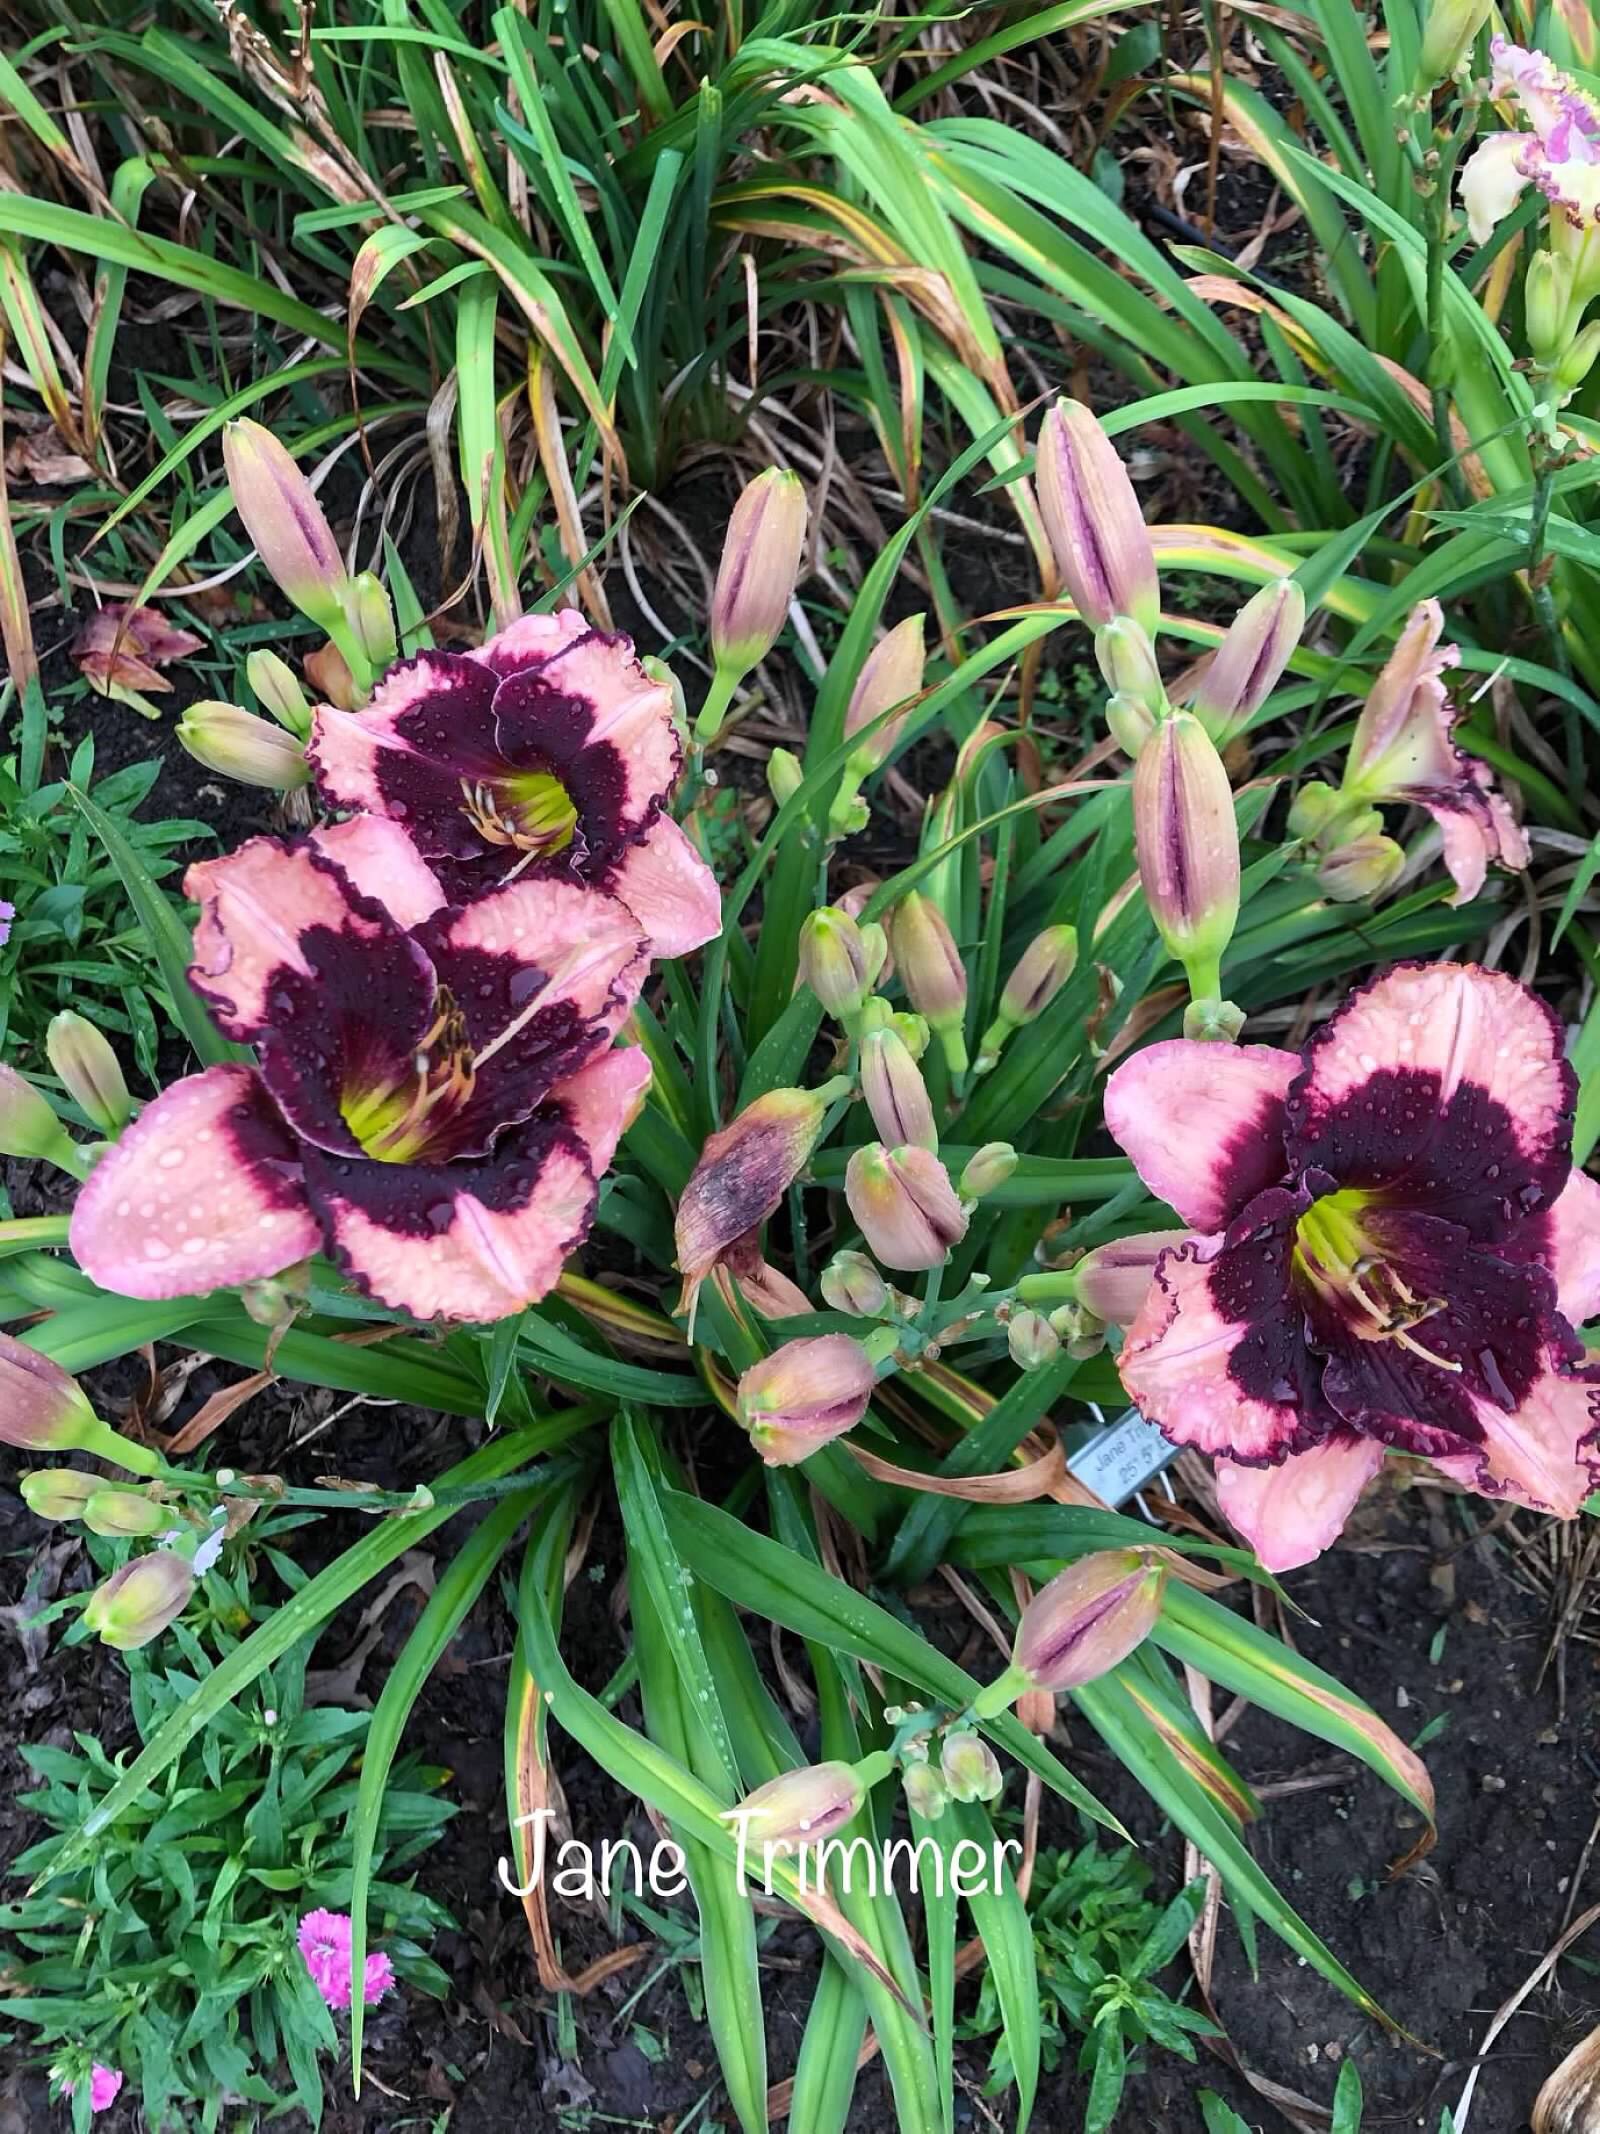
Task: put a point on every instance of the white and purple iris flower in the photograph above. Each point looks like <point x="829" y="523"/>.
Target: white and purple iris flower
<point x="1391" y="1249"/>
<point x="1560" y="155"/>
<point x="548" y="752"/>
<point x="435" y="1096"/>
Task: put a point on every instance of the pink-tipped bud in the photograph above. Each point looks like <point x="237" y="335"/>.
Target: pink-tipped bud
<point x="909" y="1212"/>
<point x="931" y="970"/>
<point x="328" y="672"/>
<point x="87" y="1067"/>
<point x="1127" y="662"/>
<point x="896" y="1094"/>
<point x="1032" y="1340"/>
<point x="42" y="1409"/>
<point x="850" y="1283"/>
<point x="1242" y="673"/>
<point x="28" y="1127"/>
<point x="970" y="1768"/>
<point x="1088" y="1620"/>
<point x="286" y="523"/>
<point x="1097" y="531"/>
<point x="799" y="1807"/>
<point x="58" y="1493"/>
<point x="278" y="692"/>
<point x="1187" y="840"/>
<point x="121" y="1514"/>
<point x="1044" y="967"/>
<point x="804" y="1395"/>
<point x="760" y="565"/>
<point x="138" y="1602"/>
<point x="744" y="1171"/>
<point x="987" y="1170"/>
<point x="840" y="960"/>
<point x="1360" y="871"/>
<point x="926" y="1793"/>
<point x="236" y="744"/>
<point x="1113" y="1280"/>
<point x="891" y="675"/>
<point x="372" y="619"/>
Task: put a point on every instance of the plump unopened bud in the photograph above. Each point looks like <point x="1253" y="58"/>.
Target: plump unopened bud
<point x="785" y="774"/>
<point x="1577" y="359"/>
<point x="236" y="744"/>
<point x="1187" y="842"/>
<point x="1130" y="723"/>
<point x="1032" y="1340"/>
<point x="840" y="960"/>
<point x="891" y="675"/>
<point x="970" y="1768"/>
<point x="896" y="1094"/>
<point x="1244" y="670"/>
<point x="87" y="1067"/>
<point x="277" y="690"/>
<point x="138" y="1602"/>
<point x="1128" y="662"/>
<point x="1113" y="1280"/>
<point x="58" y="1493"/>
<point x="760" y="564"/>
<point x="1096" y="529"/>
<point x="1088" y="1620"/>
<point x="744" y="1171"/>
<point x="987" y="1169"/>
<point x="28" y="1127"/>
<point x="1312" y="808"/>
<point x="1043" y="968"/>
<point x="926" y="1793"/>
<point x="286" y="523"/>
<point x="1361" y="870"/>
<point x="931" y="970"/>
<point x="372" y="619"/>
<point x="909" y="1212"/>
<point x="799" y="1807"/>
<point x="1448" y="30"/>
<point x="42" y="1409"/>
<point x="850" y="1283"/>
<point x="804" y="1395"/>
<point x="124" y="1513"/>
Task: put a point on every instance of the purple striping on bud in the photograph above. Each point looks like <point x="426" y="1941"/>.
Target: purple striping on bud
<point x="926" y="1793"/>
<point x="840" y="959"/>
<point x="1128" y="662"/>
<point x="931" y="970"/>
<point x="278" y="692"/>
<point x="28" y="1127"/>
<point x="138" y="1602"/>
<point x="1097" y="531"/>
<point x="987" y="1170"/>
<point x="1187" y="842"/>
<point x="1233" y="684"/>
<point x="42" y="1409"/>
<point x="1088" y="1620"/>
<point x="1361" y="870"/>
<point x="1113" y="1280"/>
<point x="759" y="568"/>
<point x="124" y="1513"/>
<point x="799" y="1807"/>
<point x="970" y="1768"/>
<point x="744" y="1171"/>
<point x="896" y="1094"/>
<point x="236" y="744"/>
<point x="850" y="1283"/>
<point x="1032" y="1340"/>
<point x="909" y="1212"/>
<point x="1043" y="968"/>
<point x="57" y="1493"/>
<point x="804" y="1395"/>
<point x="286" y="523"/>
<point x="891" y="675"/>
<point x="87" y="1067"/>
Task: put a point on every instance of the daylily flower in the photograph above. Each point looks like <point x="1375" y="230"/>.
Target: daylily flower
<point x="1394" y="1251"/>
<point x="120" y="650"/>
<point x="435" y="1099"/>
<point x="1403" y="751"/>
<point x="548" y="751"/>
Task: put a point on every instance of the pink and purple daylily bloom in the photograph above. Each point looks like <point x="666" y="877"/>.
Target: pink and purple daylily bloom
<point x="435" y="1096"/>
<point x="547" y="751"/>
<point x="1392" y="1249"/>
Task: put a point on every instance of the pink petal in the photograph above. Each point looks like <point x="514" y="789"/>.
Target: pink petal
<point x="669" y="889"/>
<point x="203" y="1191"/>
<point x="1573" y="1252"/>
<point x="1467" y="849"/>
<point x="602" y="1100"/>
<point x="1292" y="1512"/>
<point x="579" y="949"/>
<point x="1203" y="1123"/>
<point x="105" y="2084"/>
<point x="1543" y="1453"/>
<point x="377" y="1977"/>
<point x="530" y="641"/>
<point x="382" y="863"/>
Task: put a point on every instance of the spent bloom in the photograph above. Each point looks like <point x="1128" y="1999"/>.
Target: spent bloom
<point x="435" y="1096"/>
<point x="120" y="652"/>
<point x="745" y="1168"/>
<point x="325" y="1940"/>
<point x="546" y="754"/>
<point x="1392" y="1250"/>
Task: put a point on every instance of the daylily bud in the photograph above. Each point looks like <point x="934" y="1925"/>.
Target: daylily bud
<point x="372" y="618"/>
<point x="804" y="1395"/>
<point x="840" y="960"/>
<point x="286" y="523"/>
<point x="1577" y="360"/>
<point x="760" y="564"/>
<point x="137" y="1603"/>
<point x="85" y="1063"/>
<point x="1032" y="1340"/>
<point x="970" y="1767"/>
<point x="28" y="1127"/>
<point x="891" y="674"/>
<point x="119" y="1513"/>
<point x="987" y="1170"/>
<point x="1042" y="970"/>
<point x="238" y="745"/>
<point x="57" y="1493"/>
<point x="1187" y="844"/>
<point x="926" y="1793"/>
<point x="896" y="1094"/>
<point x="1312" y="808"/>
<point x="1130" y="723"/>
<point x="42" y="1409"/>
<point x="1243" y="671"/>
<point x="1088" y="1620"/>
<point x="1448" y="30"/>
<point x="931" y="971"/>
<point x="850" y="1283"/>
<point x="745" y="1170"/>
<point x="1359" y="872"/>
<point x="799" y="1807"/>
<point x="1128" y="662"/>
<point x="278" y="691"/>
<point x="907" y="1208"/>
<point x="1546" y="296"/>
<point x="1113" y="1280"/>
<point x="785" y="774"/>
<point x="1079" y="1331"/>
<point x="1097" y="531"/>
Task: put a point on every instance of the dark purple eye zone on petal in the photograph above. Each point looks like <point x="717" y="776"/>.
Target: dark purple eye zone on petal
<point x="539" y="727"/>
<point x="1252" y="1286"/>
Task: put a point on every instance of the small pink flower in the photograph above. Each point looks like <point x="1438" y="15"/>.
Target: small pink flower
<point x="325" y="1943"/>
<point x="104" y="2084"/>
<point x="7" y="913"/>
